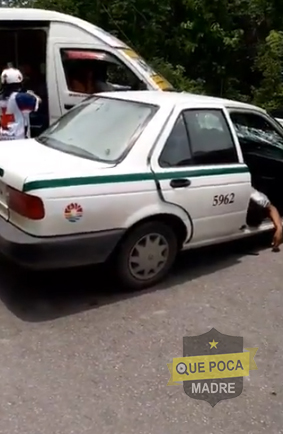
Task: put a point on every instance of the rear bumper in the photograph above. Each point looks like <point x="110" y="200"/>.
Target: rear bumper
<point x="56" y="252"/>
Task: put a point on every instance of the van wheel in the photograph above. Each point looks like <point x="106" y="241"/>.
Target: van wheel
<point x="146" y="255"/>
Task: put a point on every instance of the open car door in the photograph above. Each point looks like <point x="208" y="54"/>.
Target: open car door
<point x="261" y="141"/>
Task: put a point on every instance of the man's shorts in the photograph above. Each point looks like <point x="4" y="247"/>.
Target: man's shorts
<point x="257" y="210"/>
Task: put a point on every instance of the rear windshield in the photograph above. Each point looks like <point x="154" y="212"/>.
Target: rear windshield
<point x="100" y="128"/>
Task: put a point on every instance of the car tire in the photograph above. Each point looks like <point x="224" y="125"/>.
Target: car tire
<point x="150" y="244"/>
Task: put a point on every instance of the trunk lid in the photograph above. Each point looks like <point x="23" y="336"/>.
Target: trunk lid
<point x="22" y="159"/>
<point x="27" y="158"/>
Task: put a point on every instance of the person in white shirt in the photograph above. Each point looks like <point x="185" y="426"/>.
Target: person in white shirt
<point x="15" y="106"/>
<point x="261" y="207"/>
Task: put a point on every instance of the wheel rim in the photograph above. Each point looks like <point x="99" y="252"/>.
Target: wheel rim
<point x="148" y="256"/>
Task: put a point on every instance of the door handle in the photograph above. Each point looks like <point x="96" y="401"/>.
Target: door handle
<point x="68" y="106"/>
<point x="180" y="183"/>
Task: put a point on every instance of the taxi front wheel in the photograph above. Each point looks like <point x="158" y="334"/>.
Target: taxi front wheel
<point x="146" y="255"/>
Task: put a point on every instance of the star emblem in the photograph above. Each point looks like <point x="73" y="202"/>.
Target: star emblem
<point x="213" y="344"/>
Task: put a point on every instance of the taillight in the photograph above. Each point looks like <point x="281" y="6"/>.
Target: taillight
<point x="24" y="204"/>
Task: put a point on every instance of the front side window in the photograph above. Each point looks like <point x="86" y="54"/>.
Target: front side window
<point x="101" y="129"/>
<point x="91" y="71"/>
<point x="252" y="128"/>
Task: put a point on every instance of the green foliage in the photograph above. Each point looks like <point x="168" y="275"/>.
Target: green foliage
<point x="270" y="63"/>
<point x="176" y="75"/>
<point x="229" y="48"/>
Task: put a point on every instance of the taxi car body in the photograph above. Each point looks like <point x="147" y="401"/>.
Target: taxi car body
<point x="134" y="177"/>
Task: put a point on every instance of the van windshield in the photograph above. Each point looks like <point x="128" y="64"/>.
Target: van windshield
<point x="100" y="128"/>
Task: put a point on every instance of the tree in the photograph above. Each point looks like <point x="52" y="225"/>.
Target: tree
<point x="230" y="48"/>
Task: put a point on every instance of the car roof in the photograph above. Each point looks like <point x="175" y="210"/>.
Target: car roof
<point x="174" y="98"/>
<point x="34" y="14"/>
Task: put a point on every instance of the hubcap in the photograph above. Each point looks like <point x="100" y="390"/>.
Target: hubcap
<point x="148" y="256"/>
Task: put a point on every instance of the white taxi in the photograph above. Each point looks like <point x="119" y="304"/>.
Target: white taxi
<point x="134" y="177"/>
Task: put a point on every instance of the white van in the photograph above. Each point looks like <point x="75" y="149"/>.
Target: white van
<point x="49" y="42"/>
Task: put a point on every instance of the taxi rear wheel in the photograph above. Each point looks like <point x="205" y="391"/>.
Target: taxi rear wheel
<point x="146" y="255"/>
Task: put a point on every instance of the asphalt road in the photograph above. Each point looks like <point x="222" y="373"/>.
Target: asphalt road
<point x="79" y="356"/>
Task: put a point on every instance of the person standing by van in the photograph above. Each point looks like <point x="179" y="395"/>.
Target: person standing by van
<point x="15" y="106"/>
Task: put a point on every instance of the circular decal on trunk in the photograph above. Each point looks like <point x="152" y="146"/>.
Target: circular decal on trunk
<point x="73" y="212"/>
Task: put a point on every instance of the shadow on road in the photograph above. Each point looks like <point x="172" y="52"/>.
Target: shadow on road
<point x="43" y="296"/>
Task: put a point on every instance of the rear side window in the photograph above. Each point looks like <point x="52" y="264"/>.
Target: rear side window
<point x="177" y="151"/>
<point x="199" y="137"/>
<point x="210" y="137"/>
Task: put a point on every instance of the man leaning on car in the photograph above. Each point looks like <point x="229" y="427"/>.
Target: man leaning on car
<point x="260" y="207"/>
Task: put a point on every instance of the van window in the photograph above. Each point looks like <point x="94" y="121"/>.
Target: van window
<point x="83" y="67"/>
<point x="199" y="137"/>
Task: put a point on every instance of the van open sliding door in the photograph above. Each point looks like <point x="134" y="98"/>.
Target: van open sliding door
<point x="8" y="49"/>
<point x="25" y="48"/>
